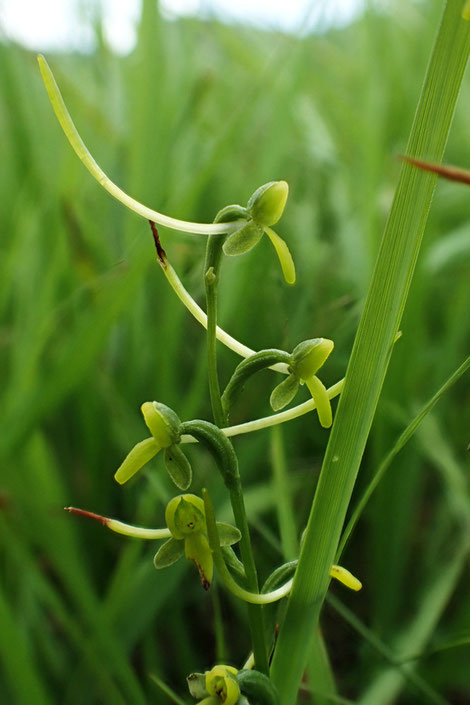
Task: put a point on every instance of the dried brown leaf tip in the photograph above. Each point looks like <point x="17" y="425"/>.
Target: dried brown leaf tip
<point x="452" y="173"/>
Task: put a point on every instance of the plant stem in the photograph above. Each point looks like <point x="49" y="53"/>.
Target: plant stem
<point x="211" y="276"/>
<point x="221" y="447"/>
<point x="195" y="310"/>
<point x="371" y="352"/>
<point x="274" y="419"/>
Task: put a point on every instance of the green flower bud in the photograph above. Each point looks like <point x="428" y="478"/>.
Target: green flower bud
<point x="162" y="422"/>
<point x="184" y="515"/>
<point x="244" y="239"/>
<point x="221" y="683"/>
<point x="309" y="356"/>
<point x="267" y="203"/>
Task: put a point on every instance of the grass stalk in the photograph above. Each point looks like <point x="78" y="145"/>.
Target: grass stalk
<point x="372" y="350"/>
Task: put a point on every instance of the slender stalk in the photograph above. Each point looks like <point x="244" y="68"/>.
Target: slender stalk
<point x="282" y="491"/>
<point x="372" y="350"/>
<point x="220" y="643"/>
<point x="221" y="448"/>
<point x="274" y="419"/>
<point x="195" y="310"/>
<point x="246" y="369"/>
<point x="211" y="280"/>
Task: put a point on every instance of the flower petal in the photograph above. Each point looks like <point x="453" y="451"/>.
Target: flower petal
<point x="322" y="401"/>
<point x="178" y="466"/>
<point x="345" y="577"/>
<point x="284" y="392"/>
<point x="168" y="553"/>
<point x="228" y="534"/>
<point x="136" y="459"/>
<point x="284" y="255"/>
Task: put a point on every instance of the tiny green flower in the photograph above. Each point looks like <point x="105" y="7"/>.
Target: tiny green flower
<point x="221" y="686"/>
<point x="217" y="686"/>
<point x="186" y="534"/>
<point x="186" y="521"/>
<point x="306" y="360"/>
<point x="265" y="207"/>
<point x="164" y="426"/>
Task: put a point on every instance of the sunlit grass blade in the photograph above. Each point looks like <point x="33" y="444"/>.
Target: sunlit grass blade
<point x="372" y="350"/>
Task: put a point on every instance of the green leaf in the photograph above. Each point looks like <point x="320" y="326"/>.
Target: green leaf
<point x="178" y="466"/>
<point x="284" y="392"/>
<point x="168" y="553"/>
<point x="243" y="239"/>
<point x="228" y="534"/>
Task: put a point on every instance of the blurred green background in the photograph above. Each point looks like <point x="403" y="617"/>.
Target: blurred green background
<point x="196" y="117"/>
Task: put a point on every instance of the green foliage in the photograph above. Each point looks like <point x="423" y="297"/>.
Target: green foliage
<point x="196" y="117"/>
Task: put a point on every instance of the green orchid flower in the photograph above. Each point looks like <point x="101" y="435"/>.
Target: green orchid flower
<point x="186" y="521"/>
<point x="164" y="426"/>
<point x="218" y="686"/>
<point x="186" y="533"/>
<point x="305" y="361"/>
<point x="264" y="208"/>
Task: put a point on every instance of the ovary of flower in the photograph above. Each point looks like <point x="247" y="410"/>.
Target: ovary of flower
<point x="119" y="527"/>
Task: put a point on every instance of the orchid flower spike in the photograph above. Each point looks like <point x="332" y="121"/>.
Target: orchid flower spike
<point x="164" y="426"/>
<point x="264" y="208"/>
<point x="305" y="361"/>
<point x="186" y="520"/>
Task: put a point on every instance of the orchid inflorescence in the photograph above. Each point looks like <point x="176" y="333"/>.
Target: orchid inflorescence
<point x="191" y="527"/>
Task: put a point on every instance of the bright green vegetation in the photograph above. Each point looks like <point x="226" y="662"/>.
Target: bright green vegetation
<point x="197" y="117"/>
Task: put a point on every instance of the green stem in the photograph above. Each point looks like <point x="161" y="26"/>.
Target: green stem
<point x="220" y="446"/>
<point x="220" y="644"/>
<point x="282" y="492"/>
<point x="258" y="361"/>
<point x="211" y="276"/>
<point x="371" y="352"/>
